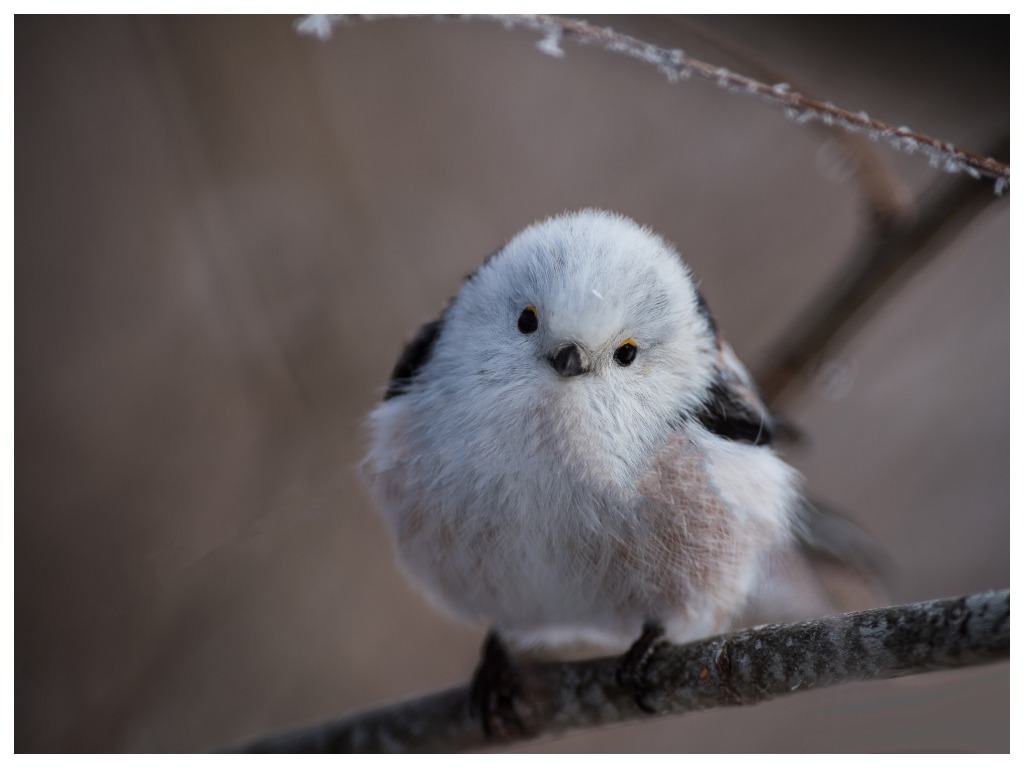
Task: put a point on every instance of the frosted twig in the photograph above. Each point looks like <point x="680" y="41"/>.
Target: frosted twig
<point x="747" y="667"/>
<point x="676" y="65"/>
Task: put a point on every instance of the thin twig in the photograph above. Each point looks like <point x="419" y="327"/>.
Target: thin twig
<point x="747" y="667"/>
<point x="676" y="65"/>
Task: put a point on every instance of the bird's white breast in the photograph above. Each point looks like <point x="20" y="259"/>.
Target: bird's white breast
<point x="551" y="531"/>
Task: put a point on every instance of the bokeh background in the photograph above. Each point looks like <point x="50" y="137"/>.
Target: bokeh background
<point x="226" y="231"/>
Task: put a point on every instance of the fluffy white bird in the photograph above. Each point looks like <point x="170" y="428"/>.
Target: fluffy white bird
<point x="571" y="452"/>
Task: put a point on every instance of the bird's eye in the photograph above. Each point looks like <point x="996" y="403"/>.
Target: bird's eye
<point x="626" y="353"/>
<point x="528" y="320"/>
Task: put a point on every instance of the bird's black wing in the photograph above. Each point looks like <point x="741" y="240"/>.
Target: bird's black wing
<point x="733" y="407"/>
<point x="413" y="358"/>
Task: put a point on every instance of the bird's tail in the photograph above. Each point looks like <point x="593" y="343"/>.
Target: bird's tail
<point x="848" y="563"/>
<point x="832" y="566"/>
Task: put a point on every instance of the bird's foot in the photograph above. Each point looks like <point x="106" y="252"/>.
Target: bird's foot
<point x="633" y="664"/>
<point x="495" y="688"/>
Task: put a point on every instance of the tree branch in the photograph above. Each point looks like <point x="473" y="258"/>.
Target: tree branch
<point x="676" y="65"/>
<point x="889" y="253"/>
<point x="747" y="667"/>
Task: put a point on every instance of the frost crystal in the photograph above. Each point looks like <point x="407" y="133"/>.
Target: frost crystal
<point x="318" y="25"/>
<point x="651" y="54"/>
<point x="552" y="43"/>
<point x="670" y="63"/>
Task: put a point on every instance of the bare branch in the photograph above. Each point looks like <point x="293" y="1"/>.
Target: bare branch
<point x="747" y="667"/>
<point x="889" y="253"/>
<point x="676" y="65"/>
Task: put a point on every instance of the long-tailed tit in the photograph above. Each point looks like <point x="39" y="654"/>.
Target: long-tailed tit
<point x="572" y="452"/>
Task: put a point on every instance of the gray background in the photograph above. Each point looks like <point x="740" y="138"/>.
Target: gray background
<point x="224" y="234"/>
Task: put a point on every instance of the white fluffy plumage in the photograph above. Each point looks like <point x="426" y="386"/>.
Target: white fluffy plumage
<point x="534" y="481"/>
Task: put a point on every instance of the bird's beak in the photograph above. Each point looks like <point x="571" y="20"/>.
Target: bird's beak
<point x="568" y="361"/>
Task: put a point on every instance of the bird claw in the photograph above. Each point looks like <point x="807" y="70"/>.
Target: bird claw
<point x="495" y="688"/>
<point x="631" y="672"/>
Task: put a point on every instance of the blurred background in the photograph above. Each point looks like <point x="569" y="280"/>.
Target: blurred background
<point x="226" y="231"/>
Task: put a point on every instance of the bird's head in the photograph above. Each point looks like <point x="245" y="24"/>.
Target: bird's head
<point x="587" y="319"/>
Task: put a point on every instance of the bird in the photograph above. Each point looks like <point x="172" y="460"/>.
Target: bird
<point x="571" y="452"/>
